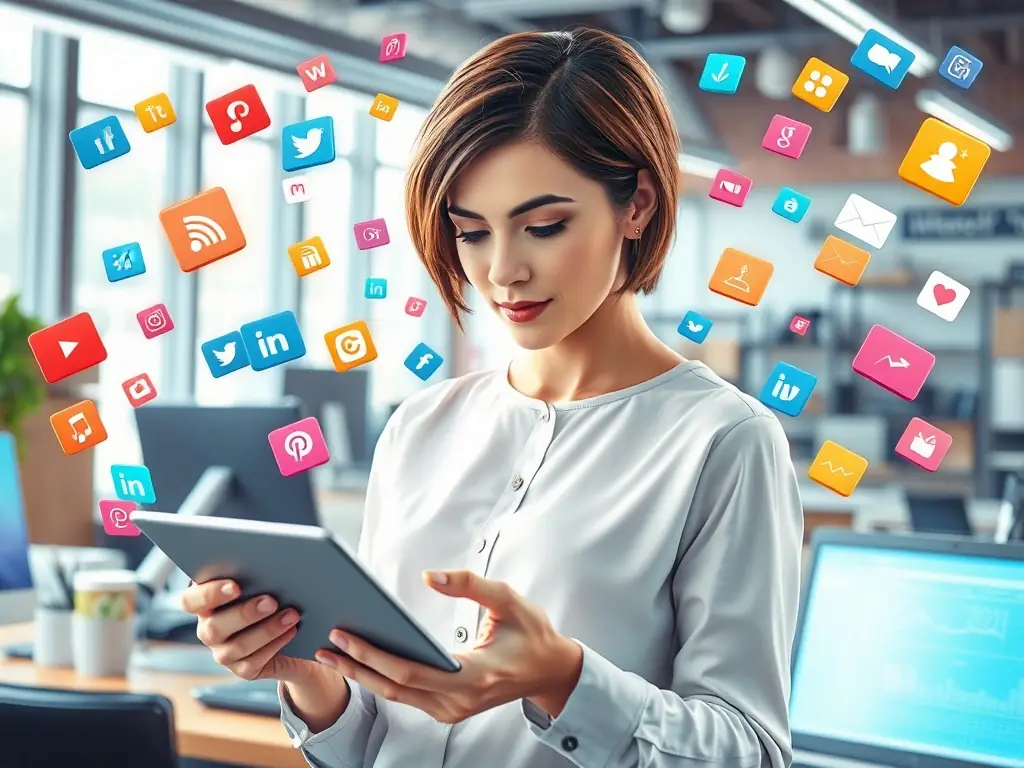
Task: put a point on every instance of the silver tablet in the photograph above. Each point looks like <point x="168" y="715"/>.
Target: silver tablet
<point x="303" y="567"/>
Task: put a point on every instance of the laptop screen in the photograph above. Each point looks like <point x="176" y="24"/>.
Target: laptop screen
<point x="14" y="568"/>
<point x="914" y="651"/>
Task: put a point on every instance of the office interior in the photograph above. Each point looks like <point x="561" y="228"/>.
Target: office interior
<point x="65" y="64"/>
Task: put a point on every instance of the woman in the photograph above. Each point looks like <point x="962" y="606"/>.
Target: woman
<point x="620" y="529"/>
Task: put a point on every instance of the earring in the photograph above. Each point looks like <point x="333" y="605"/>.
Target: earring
<point x="637" y="230"/>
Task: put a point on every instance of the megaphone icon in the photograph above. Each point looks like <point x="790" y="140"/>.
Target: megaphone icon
<point x="731" y="187"/>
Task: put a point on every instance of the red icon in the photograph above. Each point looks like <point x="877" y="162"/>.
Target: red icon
<point x="155" y="321"/>
<point x="238" y="114"/>
<point x="117" y="517"/>
<point x="392" y="47"/>
<point x="316" y="73"/>
<point x="799" y="324"/>
<point x="139" y="390"/>
<point x="730" y="187"/>
<point x="415" y="306"/>
<point x="67" y="347"/>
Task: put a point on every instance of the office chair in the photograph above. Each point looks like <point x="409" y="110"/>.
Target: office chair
<point x="47" y="727"/>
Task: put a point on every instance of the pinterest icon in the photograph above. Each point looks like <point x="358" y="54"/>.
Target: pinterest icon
<point x="299" y="446"/>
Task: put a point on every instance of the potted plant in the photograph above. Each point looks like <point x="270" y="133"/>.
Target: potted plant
<point x="22" y="389"/>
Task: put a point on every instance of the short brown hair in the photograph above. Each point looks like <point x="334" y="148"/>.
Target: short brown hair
<point x="588" y="97"/>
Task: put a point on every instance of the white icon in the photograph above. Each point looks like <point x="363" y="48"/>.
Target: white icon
<point x="123" y="262"/>
<point x="376" y="289"/>
<point x="783" y="391"/>
<point x="372" y="234"/>
<point x="156" y="320"/>
<point x="298" y="445"/>
<point x="791" y="205"/>
<point x="883" y="57"/>
<point x="737" y="281"/>
<point x="120" y="517"/>
<point x="901" y="363"/>
<point x="722" y="73"/>
<point x="203" y="232"/>
<point x="107" y="138"/>
<point x="297" y="189"/>
<point x="381" y="107"/>
<point x="161" y="113"/>
<point x="694" y="327"/>
<point x="131" y="487"/>
<point x="67" y="347"/>
<point x="393" y="47"/>
<point x="800" y="324"/>
<point x="959" y="68"/>
<point x="414" y="307"/>
<point x="943" y="296"/>
<point x="424" y="359"/>
<point x="818" y="84"/>
<point x="940" y="166"/>
<point x="139" y="389"/>
<point x="271" y="345"/>
<point x="923" y="446"/>
<point x="866" y="221"/>
<point x="350" y="346"/>
<point x="785" y="135"/>
<point x="74" y="421"/>
<point x="834" y="469"/>
<point x="317" y="71"/>
<point x="310" y="257"/>
<point x="226" y="355"/>
<point x="236" y="111"/>
<point x="308" y="144"/>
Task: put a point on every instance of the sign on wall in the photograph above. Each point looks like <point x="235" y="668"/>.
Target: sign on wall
<point x="983" y="223"/>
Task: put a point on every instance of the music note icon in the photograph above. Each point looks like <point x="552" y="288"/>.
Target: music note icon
<point x="86" y="432"/>
<point x="78" y="427"/>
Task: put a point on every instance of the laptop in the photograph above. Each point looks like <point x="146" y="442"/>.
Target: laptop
<point x="909" y="652"/>
<point x="938" y="513"/>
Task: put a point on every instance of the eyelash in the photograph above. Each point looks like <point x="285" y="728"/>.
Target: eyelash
<point x="549" y="230"/>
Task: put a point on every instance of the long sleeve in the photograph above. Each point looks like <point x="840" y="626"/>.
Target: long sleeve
<point x="736" y="591"/>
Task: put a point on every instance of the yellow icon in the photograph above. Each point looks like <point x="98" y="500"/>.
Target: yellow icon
<point x="384" y="107"/>
<point x="944" y="161"/>
<point x="820" y="84"/>
<point x="155" y="112"/>
<point x="837" y="468"/>
<point x="350" y="346"/>
<point x="308" y="256"/>
<point x="842" y="261"/>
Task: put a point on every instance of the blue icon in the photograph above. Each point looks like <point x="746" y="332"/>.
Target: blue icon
<point x="695" y="327"/>
<point x="884" y="60"/>
<point x="225" y="354"/>
<point x="100" y="142"/>
<point x="123" y="262"/>
<point x="960" y="67"/>
<point x="423" y="361"/>
<point x="791" y="205"/>
<point x="133" y="483"/>
<point x="376" y="288"/>
<point x="788" y="389"/>
<point x="307" y="144"/>
<point x="722" y="73"/>
<point x="272" y="340"/>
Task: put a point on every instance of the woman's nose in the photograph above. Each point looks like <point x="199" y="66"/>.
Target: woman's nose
<point x="507" y="266"/>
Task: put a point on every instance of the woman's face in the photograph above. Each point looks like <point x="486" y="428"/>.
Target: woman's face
<point x="539" y="241"/>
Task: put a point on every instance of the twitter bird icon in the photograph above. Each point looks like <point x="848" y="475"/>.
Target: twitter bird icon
<point x="307" y="144"/>
<point x="225" y="354"/>
<point x="695" y="327"/>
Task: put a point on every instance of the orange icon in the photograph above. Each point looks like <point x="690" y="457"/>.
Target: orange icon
<point x="78" y="428"/>
<point x="202" y="229"/>
<point x="820" y="84"/>
<point x="155" y="112"/>
<point x="384" y="107"/>
<point x="350" y="346"/>
<point x="740" y="276"/>
<point x="837" y="468"/>
<point x="944" y="161"/>
<point x="842" y="261"/>
<point x="308" y="256"/>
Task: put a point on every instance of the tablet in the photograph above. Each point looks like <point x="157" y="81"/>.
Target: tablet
<point x="303" y="567"/>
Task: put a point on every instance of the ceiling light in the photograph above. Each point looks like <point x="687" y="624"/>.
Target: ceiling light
<point x="938" y="104"/>
<point x="686" y="17"/>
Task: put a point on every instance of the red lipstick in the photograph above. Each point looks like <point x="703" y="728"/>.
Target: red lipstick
<point x="524" y="311"/>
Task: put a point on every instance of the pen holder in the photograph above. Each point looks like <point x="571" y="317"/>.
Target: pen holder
<point x="103" y="625"/>
<point x="52" y="646"/>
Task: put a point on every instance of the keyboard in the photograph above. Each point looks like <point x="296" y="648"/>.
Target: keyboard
<point x="255" y="697"/>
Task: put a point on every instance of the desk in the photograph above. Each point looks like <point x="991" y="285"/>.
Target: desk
<point x="202" y="733"/>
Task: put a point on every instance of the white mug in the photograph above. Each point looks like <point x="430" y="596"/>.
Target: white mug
<point x="52" y="647"/>
<point x="103" y="624"/>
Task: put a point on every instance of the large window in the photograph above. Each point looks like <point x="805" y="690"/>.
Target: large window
<point x="16" y="44"/>
<point x="15" y="74"/>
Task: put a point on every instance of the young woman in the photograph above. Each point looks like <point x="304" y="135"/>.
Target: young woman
<point x="607" y="536"/>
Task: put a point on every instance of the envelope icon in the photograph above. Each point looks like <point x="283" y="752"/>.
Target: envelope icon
<point x="841" y="260"/>
<point x="866" y="221"/>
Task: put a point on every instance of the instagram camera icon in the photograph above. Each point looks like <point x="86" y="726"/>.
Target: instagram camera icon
<point x="117" y="517"/>
<point x="414" y="307"/>
<point x="786" y="137"/>
<point x="299" y="447"/>
<point x="155" y="321"/>
<point x="371" y="234"/>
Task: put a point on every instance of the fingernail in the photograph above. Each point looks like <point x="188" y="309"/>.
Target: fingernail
<point x="438" y="577"/>
<point x="266" y="605"/>
<point x="339" y="640"/>
<point x="228" y="589"/>
<point x="289" y="618"/>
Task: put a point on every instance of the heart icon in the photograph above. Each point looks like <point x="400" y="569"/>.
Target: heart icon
<point x="943" y="295"/>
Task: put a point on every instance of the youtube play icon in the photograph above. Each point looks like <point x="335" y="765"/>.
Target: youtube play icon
<point x="67" y="347"/>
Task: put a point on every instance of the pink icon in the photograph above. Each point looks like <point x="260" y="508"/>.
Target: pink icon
<point x="799" y="324"/>
<point x="392" y="47"/>
<point x="155" y="321"/>
<point x="371" y="234"/>
<point x="893" y="363"/>
<point x="730" y="187"/>
<point x="299" y="446"/>
<point x="415" y="306"/>
<point x="117" y="517"/>
<point x="786" y="136"/>
<point x="924" y="444"/>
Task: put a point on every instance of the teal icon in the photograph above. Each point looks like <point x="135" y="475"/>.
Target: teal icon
<point x="722" y="73"/>
<point x="791" y="205"/>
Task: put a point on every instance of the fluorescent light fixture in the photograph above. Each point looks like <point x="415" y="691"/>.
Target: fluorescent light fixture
<point x="938" y="104"/>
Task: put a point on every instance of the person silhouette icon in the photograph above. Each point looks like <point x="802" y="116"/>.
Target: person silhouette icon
<point x="941" y="166"/>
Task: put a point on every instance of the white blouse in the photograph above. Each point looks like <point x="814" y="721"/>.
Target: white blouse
<point x="659" y="526"/>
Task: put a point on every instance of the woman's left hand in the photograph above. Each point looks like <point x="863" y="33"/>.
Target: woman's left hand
<point x="517" y="655"/>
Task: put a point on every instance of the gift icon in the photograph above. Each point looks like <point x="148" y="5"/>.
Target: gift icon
<point x="923" y="446"/>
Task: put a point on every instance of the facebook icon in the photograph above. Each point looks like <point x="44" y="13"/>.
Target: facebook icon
<point x="423" y="361"/>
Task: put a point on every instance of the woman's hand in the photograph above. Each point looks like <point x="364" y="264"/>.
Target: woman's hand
<point x="517" y="654"/>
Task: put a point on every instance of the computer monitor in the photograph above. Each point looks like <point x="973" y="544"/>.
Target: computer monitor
<point x="909" y="651"/>
<point x="350" y="390"/>
<point x="938" y="513"/>
<point x="1010" y="524"/>
<point x="17" y="598"/>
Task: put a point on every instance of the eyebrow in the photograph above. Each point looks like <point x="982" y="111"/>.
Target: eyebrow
<point x="519" y="210"/>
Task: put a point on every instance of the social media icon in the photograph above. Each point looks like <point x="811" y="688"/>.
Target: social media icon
<point x="225" y="354"/>
<point x="392" y="47"/>
<point x="943" y="296"/>
<point x="960" y="67"/>
<point x="788" y="389"/>
<point x="820" y="84"/>
<point x="238" y="114"/>
<point x="371" y="234"/>
<point x="123" y="262"/>
<point x="100" y="142"/>
<point x="786" y="136"/>
<point x="155" y="113"/>
<point x="297" y="189"/>
<point x="944" y="161"/>
<point x="307" y="144"/>
<point x="316" y="73"/>
<point x="881" y="58"/>
<point x="423" y="361"/>
<point x="893" y="362"/>
<point x="78" y="427"/>
<point x="299" y="447"/>
<point x="273" y="340"/>
<point x="132" y="482"/>
<point x="695" y="327"/>
<point x="155" y="321"/>
<point x="740" y="276"/>
<point x="924" y="444"/>
<point x="837" y="468"/>
<point x="309" y="256"/>
<point x="376" y="288"/>
<point x="791" y="205"/>
<point x="799" y="325"/>
<point x="67" y="347"/>
<point x="730" y="187"/>
<point x="202" y="229"/>
<point x="722" y="73"/>
<point x="414" y="307"/>
<point x="842" y="261"/>
<point x="117" y="517"/>
<point x="866" y="221"/>
<point x="383" y="107"/>
<point x="350" y="346"/>
<point x="139" y="390"/>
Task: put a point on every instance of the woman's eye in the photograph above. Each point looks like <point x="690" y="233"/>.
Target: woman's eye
<point x="471" y="237"/>
<point x="547" y="230"/>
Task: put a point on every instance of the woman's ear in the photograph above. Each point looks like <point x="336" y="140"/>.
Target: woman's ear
<point x="642" y="206"/>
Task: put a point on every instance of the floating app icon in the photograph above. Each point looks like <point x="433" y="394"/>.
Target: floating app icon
<point x="155" y="321"/>
<point x="788" y="389"/>
<point x="376" y="288"/>
<point x="722" y="73"/>
<point x="866" y="221"/>
<point x="837" y="468"/>
<point x="371" y="234"/>
<point x="350" y="346"/>
<point x="924" y="444"/>
<point x="842" y="261"/>
<point x="123" y="262"/>
<point x="299" y="447"/>
<point x="730" y="187"/>
<point x="225" y="354"/>
<point x="155" y="112"/>
<point x="883" y="59"/>
<point x="100" y="142"/>
<point x="960" y="67"/>
<point x="943" y="296"/>
<point x="272" y="340"/>
<point x="139" y="390"/>
<point x="316" y="73"/>
<point x="78" y="427"/>
<point x="202" y="229"/>
<point x="786" y="136"/>
<point x="132" y="482"/>
<point x="944" y="161"/>
<point x="791" y="205"/>
<point x="423" y="361"/>
<point x="392" y="47"/>
<point x="414" y="307"/>
<point x="893" y="362"/>
<point x="799" y="325"/>
<point x="67" y="347"/>
<point x="740" y="276"/>
<point x="297" y="189"/>
<point x="116" y="516"/>
<point x="309" y="256"/>
<point x="307" y="144"/>
<point x="238" y="114"/>
<point x="820" y="84"/>
<point x="695" y="327"/>
<point x="384" y="107"/>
